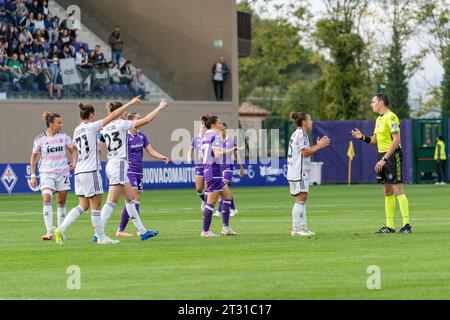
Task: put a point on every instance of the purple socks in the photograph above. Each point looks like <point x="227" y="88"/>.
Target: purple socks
<point x="207" y="216"/>
<point x="125" y="218"/>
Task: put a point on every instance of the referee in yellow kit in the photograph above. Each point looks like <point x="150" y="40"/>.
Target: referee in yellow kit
<point x="389" y="165"/>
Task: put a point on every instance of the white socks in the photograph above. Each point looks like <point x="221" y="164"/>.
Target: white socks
<point x="299" y="216"/>
<point x="96" y="219"/>
<point x="106" y="213"/>
<point x="48" y="217"/>
<point x="134" y="216"/>
<point x="61" y="214"/>
<point x="71" y="217"/>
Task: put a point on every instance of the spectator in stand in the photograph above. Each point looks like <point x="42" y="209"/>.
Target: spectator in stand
<point x="3" y="52"/>
<point x="127" y="73"/>
<point x="138" y="85"/>
<point x="12" y="40"/>
<point x="22" y="9"/>
<point x="66" y="53"/>
<point x="54" y="57"/>
<point x="114" y="73"/>
<point x="23" y="64"/>
<point x="40" y="45"/>
<point x="4" y="33"/>
<point x="14" y="68"/>
<point x="84" y="68"/>
<point x="21" y="49"/>
<point x="4" y="72"/>
<point x="31" y="73"/>
<point x="26" y="37"/>
<point x="39" y="23"/>
<point x="51" y="27"/>
<point x="35" y="8"/>
<point x="99" y="56"/>
<point x="219" y="76"/>
<point x="66" y="40"/>
<point x="14" y="18"/>
<point x="45" y="11"/>
<point x="28" y="22"/>
<point x="44" y="77"/>
<point x="116" y="43"/>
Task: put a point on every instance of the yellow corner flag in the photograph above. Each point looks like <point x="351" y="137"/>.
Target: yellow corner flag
<point x="351" y="151"/>
<point x="350" y="155"/>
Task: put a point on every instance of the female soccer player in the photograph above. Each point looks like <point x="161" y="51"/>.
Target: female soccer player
<point x="228" y="168"/>
<point x="115" y="135"/>
<point x="54" y="170"/>
<point x="137" y="143"/>
<point x="88" y="180"/>
<point x="299" y="159"/>
<point x="196" y="147"/>
<point x="212" y="153"/>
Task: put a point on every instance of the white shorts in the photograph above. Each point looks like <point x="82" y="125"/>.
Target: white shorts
<point x="88" y="184"/>
<point x="117" y="172"/>
<point x="298" y="187"/>
<point x="55" y="182"/>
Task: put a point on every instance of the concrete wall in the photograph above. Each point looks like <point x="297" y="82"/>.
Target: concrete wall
<point x="21" y="122"/>
<point x="171" y="40"/>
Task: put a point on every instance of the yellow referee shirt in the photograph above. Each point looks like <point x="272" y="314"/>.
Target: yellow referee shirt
<point x="386" y="125"/>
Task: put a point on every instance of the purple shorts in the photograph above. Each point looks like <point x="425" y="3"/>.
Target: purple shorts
<point x="136" y="181"/>
<point x="227" y="175"/>
<point x="199" y="171"/>
<point x="215" y="185"/>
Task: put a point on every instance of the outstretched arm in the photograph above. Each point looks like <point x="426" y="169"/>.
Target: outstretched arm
<point x="321" y="144"/>
<point x="117" y="113"/>
<point x="152" y="115"/>
<point x="358" y="135"/>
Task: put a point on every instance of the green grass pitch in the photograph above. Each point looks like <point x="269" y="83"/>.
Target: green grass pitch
<point x="262" y="262"/>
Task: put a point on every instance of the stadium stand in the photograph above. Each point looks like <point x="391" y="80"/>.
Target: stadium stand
<point x="39" y="45"/>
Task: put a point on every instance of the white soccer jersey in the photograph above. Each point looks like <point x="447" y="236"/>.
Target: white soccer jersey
<point x="298" y="165"/>
<point x="116" y="138"/>
<point x="85" y="139"/>
<point x="53" y="153"/>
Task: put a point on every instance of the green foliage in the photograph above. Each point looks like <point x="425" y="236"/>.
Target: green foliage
<point x="445" y="102"/>
<point x="397" y="82"/>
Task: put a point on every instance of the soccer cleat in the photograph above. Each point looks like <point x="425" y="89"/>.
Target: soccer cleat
<point x="124" y="234"/>
<point x="59" y="237"/>
<point x="406" y="229"/>
<point x="233" y="212"/>
<point x="227" y="231"/>
<point x="208" y="234"/>
<point x="106" y="240"/>
<point x="149" y="234"/>
<point x="217" y="214"/>
<point x="94" y="239"/>
<point x="47" y="237"/>
<point x="386" y="230"/>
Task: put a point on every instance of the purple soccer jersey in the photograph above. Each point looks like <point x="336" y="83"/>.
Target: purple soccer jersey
<point x="136" y="145"/>
<point x="228" y="143"/>
<point x="196" y="146"/>
<point x="211" y="164"/>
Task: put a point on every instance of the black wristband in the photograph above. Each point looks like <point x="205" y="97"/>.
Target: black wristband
<point x="366" y="139"/>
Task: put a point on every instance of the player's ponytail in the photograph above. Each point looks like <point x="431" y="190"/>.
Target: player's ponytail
<point x="49" y="118"/>
<point x="298" y="118"/>
<point x="85" y="111"/>
<point x="209" y="120"/>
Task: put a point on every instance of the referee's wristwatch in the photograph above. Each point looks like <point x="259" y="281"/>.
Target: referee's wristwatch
<point x="384" y="159"/>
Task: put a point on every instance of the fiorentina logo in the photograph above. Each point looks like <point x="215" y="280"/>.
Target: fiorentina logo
<point x="9" y="179"/>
